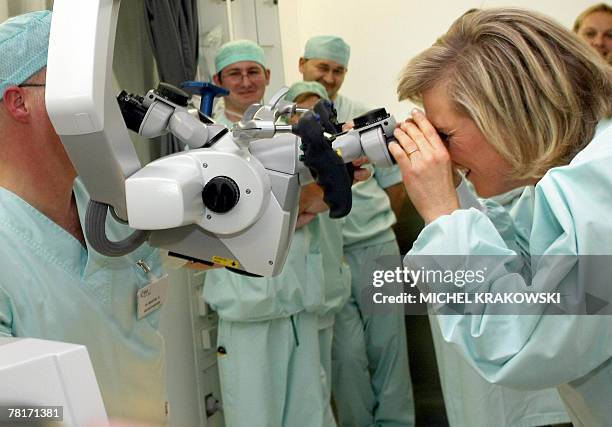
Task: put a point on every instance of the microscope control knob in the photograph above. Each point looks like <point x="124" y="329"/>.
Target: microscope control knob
<point x="220" y="194"/>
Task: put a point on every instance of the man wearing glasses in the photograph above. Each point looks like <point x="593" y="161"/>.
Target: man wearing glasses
<point x="370" y="373"/>
<point x="241" y="69"/>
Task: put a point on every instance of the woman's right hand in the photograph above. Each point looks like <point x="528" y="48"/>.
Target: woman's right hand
<point x="426" y="167"/>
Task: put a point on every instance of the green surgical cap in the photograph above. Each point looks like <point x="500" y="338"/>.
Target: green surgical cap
<point x="239" y="50"/>
<point x="301" y="88"/>
<point x="331" y="48"/>
<point x="24" y="42"/>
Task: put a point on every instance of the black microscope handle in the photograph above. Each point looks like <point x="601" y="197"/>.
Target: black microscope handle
<point x="327" y="168"/>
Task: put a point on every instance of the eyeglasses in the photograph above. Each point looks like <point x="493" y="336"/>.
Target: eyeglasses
<point x="32" y="84"/>
<point x="235" y="75"/>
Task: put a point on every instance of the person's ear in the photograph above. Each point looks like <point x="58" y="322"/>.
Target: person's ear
<point x="267" y="74"/>
<point x="216" y="80"/>
<point x="15" y="104"/>
<point x="301" y="65"/>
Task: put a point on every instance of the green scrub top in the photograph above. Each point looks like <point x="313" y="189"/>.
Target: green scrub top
<point x="241" y="298"/>
<point x="54" y="288"/>
<point x="220" y="117"/>
<point x="371" y="217"/>
<point x="567" y="213"/>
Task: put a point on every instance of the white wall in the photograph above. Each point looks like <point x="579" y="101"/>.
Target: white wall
<point x="385" y="34"/>
<point x="256" y="20"/>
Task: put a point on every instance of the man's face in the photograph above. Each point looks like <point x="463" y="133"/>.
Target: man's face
<point x="246" y="82"/>
<point x="329" y="73"/>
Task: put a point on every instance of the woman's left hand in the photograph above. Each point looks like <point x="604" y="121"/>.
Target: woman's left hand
<point x="426" y="167"/>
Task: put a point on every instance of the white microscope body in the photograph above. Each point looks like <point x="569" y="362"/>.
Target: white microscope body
<point x="232" y="199"/>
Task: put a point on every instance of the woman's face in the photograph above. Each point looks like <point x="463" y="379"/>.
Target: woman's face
<point x="469" y="149"/>
<point x="596" y="30"/>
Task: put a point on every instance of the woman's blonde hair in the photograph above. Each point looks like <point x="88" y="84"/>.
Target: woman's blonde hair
<point x="532" y="87"/>
<point x="599" y="7"/>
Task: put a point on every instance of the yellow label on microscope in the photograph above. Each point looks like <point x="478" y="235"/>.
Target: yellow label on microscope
<point x="226" y="262"/>
<point x="339" y="151"/>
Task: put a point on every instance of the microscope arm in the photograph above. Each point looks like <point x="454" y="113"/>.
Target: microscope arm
<point x="164" y="110"/>
<point x="230" y="199"/>
<point x="80" y="100"/>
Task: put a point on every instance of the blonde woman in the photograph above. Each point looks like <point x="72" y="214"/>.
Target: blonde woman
<point x="512" y="99"/>
<point x="594" y="26"/>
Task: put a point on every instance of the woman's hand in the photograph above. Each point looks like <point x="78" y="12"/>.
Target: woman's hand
<point x="426" y="167"/>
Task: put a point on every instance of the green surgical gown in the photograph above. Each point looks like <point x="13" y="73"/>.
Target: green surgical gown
<point x="53" y="288"/>
<point x="566" y="216"/>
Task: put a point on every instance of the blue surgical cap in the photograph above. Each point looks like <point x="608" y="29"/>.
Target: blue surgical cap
<point x="331" y="48"/>
<point x="24" y="42"/>
<point x="239" y="50"/>
<point x="301" y="88"/>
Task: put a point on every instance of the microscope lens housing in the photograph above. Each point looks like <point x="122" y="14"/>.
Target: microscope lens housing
<point x="370" y="118"/>
<point x="132" y="110"/>
<point x="372" y="132"/>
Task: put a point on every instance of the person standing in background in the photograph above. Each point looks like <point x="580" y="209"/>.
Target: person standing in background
<point x="594" y="26"/>
<point x="269" y="354"/>
<point x="370" y="374"/>
<point x="241" y="69"/>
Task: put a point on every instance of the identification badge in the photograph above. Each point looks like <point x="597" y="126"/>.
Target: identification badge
<point x="152" y="296"/>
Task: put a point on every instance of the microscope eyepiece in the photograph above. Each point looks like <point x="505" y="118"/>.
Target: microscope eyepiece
<point x="132" y="110"/>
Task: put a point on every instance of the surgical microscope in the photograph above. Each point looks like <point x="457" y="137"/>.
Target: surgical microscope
<point x="232" y="197"/>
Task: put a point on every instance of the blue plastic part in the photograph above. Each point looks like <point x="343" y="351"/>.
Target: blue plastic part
<point x="207" y="91"/>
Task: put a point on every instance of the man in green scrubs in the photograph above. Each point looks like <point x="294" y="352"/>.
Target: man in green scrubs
<point x="241" y="69"/>
<point x="54" y="285"/>
<point x="371" y="378"/>
<point x="270" y="345"/>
